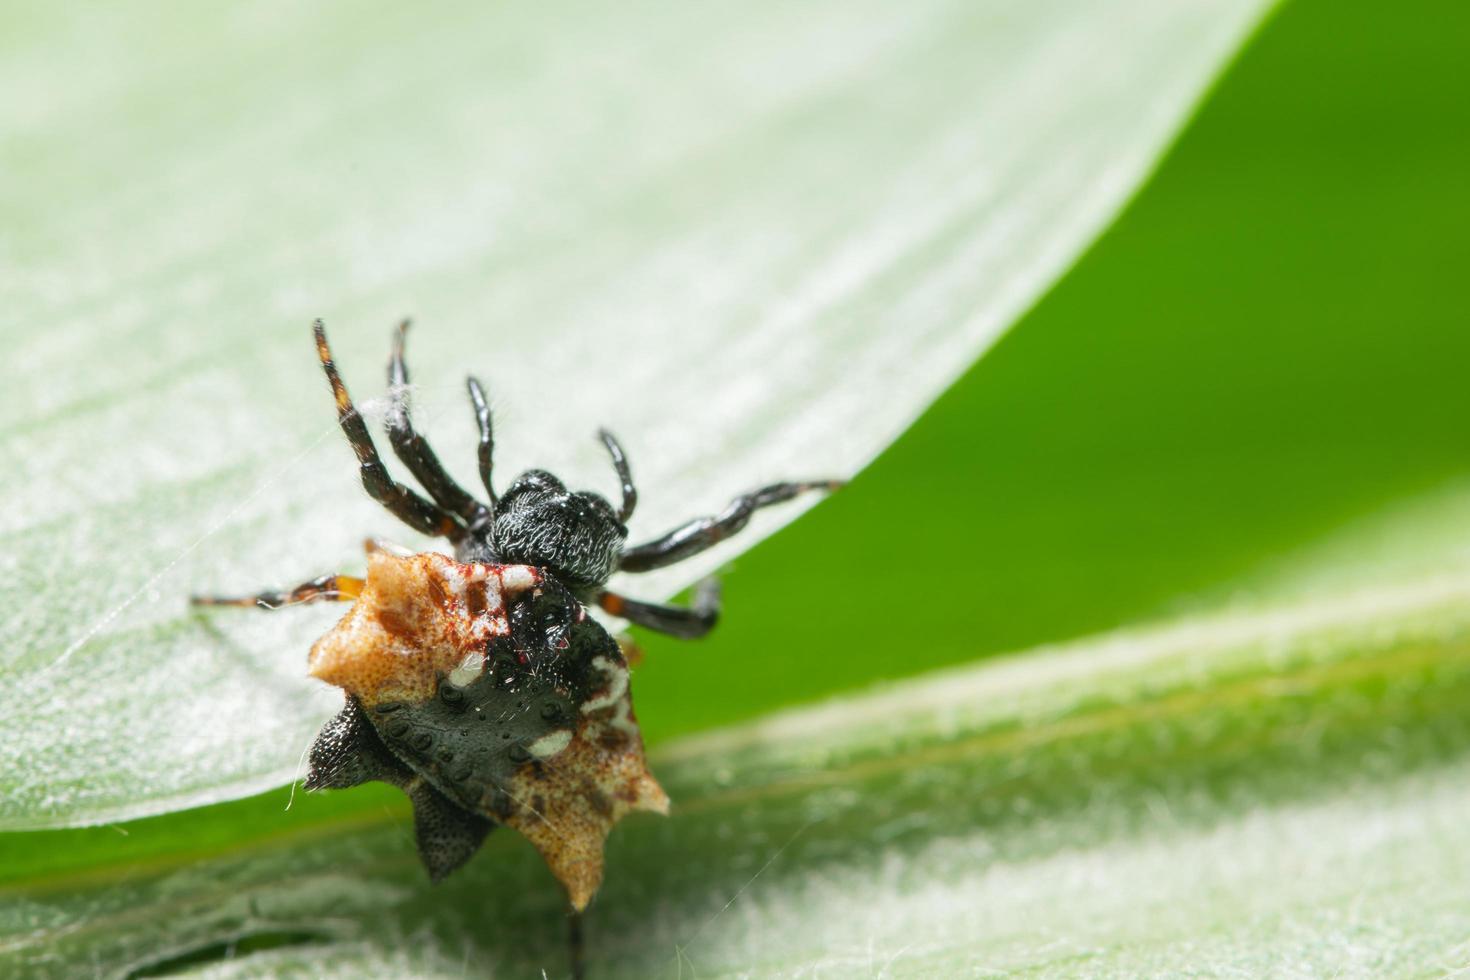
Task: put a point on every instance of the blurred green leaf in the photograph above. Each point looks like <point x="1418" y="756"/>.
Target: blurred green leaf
<point x="755" y="239"/>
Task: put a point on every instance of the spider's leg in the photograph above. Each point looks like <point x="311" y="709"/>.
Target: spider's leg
<point x="328" y="588"/>
<point x="625" y="475"/>
<point x="406" y="505"/>
<point x="702" y="532"/>
<point x="414" y="450"/>
<point x="576" y="947"/>
<point x="631" y="651"/>
<point x="686" y="623"/>
<point x="487" y="438"/>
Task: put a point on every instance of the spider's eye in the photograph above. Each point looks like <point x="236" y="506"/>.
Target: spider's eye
<point x="534" y="482"/>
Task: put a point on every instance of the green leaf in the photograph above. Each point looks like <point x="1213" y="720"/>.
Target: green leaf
<point x="756" y="239"/>
<point x="1236" y="793"/>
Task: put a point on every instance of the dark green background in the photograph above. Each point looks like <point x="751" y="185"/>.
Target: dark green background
<point x="1272" y="340"/>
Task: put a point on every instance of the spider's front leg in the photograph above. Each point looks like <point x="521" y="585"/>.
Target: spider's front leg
<point x="487" y="439"/>
<point x="407" y="506"/>
<point x="415" y="452"/>
<point x="327" y="588"/>
<point x="704" y="532"/>
<point x="625" y="475"/>
<point x="686" y="623"/>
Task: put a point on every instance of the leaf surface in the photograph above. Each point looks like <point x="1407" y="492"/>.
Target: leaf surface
<point x="754" y="239"/>
<point x="1279" y="789"/>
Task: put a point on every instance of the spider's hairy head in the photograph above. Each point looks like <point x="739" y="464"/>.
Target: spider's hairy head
<point x="577" y="535"/>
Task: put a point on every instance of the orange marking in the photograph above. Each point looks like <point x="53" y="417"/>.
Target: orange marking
<point x="586" y="788"/>
<point x="348" y="588"/>
<point x="409" y="627"/>
<point x="324" y="354"/>
<point x="632" y="652"/>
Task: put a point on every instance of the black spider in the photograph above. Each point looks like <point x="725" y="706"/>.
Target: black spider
<point x="480" y="686"/>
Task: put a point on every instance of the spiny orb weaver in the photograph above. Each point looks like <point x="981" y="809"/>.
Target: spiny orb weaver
<point x="478" y="684"/>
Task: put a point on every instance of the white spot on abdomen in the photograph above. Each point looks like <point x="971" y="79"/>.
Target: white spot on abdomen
<point x="517" y="578"/>
<point x="617" y="685"/>
<point x="550" y="744"/>
<point x="469" y="669"/>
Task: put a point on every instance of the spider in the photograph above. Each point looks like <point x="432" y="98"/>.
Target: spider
<point x="478" y="684"/>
